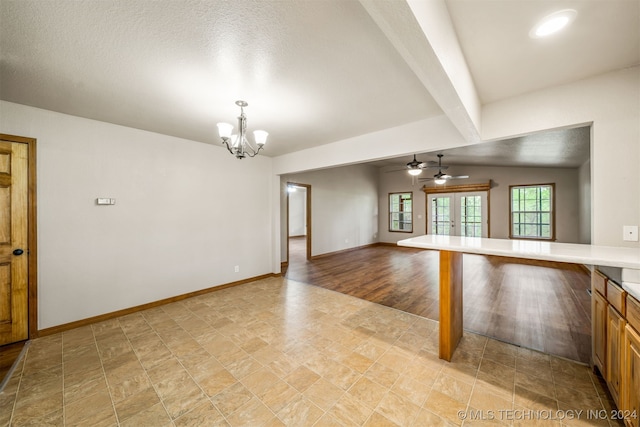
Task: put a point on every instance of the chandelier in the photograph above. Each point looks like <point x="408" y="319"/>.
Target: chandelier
<point x="239" y="145"/>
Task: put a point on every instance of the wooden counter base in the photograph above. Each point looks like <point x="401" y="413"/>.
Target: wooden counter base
<point x="450" y="303"/>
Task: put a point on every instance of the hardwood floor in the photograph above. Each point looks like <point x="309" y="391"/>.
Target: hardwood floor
<point x="534" y="304"/>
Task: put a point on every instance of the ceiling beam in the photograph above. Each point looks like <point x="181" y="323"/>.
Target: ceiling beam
<point x="423" y="34"/>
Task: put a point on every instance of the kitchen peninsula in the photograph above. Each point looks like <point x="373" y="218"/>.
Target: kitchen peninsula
<point x="452" y="247"/>
<point x="615" y="307"/>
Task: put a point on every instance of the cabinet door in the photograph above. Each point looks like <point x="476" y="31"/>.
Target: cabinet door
<point x="615" y="336"/>
<point x="599" y="332"/>
<point x="631" y="377"/>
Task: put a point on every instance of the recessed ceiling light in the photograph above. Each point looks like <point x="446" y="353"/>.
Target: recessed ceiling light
<point x="553" y="23"/>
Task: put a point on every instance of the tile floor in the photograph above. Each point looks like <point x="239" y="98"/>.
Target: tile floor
<point x="276" y="352"/>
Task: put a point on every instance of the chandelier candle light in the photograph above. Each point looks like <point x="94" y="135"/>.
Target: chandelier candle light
<point x="239" y="145"/>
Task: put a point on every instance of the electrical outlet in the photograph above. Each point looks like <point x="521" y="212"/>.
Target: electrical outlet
<point x="630" y="233"/>
<point x="236" y="269"/>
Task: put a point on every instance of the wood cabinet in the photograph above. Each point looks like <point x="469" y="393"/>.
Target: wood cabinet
<point x="631" y="377"/>
<point x="599" y="283"/>
<point x="599" y="331"/>
<point x="615" y="338"/>
<point x="615" y="317"/>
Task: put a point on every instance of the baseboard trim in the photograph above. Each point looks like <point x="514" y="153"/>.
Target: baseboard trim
<point x="107" y="316"/>
<point x="386" y="244"/>
<point x="370" y="245"/>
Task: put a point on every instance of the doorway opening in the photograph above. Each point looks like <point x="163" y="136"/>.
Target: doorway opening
<point x="458" y="214"/>
<point x="298" y="222"/>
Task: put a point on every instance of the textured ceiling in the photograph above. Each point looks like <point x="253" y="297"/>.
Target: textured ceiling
<point x="313" y="72"/>
<point x="560" y="148"/>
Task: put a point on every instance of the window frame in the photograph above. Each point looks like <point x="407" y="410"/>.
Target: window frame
<point x="390" y="212"/>
<point x="552" y="213"/>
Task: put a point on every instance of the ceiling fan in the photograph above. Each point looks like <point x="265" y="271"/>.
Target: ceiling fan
<point x="414" y="167"/>
<point x="440" y="177"/>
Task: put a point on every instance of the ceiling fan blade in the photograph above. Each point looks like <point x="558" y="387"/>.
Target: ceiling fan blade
<point x="446" y="177"/>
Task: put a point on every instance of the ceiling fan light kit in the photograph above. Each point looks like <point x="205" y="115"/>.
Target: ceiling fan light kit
<point x="442" y="178"/>
<point x="239" y="145"/>
<point x="415" y="167"/>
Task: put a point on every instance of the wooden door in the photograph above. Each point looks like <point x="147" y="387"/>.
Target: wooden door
<point x="14" y="250"/>
<point x="631" y="377"/>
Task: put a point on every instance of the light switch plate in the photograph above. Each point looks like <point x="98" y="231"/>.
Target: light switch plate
<point x="630" y="233"/>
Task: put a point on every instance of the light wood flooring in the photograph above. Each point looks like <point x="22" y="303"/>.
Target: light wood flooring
<point x="539" y="305"/>
<point x="8" y="355"/>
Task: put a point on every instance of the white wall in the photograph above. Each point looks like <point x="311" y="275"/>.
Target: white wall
<point x="344" y="207"/>
<point x="567" y="198"/>
<point x="584" y="200"/>
<point x="609" y="101"/>
<point x="178" y="224"/>
<point x="612" y="103"/>
<point x="298" y="212"/>
<point x="160" y="240"/>
<point x="425" y="135"/>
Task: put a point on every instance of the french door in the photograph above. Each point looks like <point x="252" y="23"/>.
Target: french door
<point x="458" y="214"/>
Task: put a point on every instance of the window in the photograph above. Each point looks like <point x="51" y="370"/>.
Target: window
<point x="400" y="208"/>
<point x="532" y="212"/>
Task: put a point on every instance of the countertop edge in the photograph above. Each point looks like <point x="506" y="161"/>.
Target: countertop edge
<point x="614" y="261"/>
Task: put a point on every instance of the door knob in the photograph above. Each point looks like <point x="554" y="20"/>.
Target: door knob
<point x="18" y="252"/>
